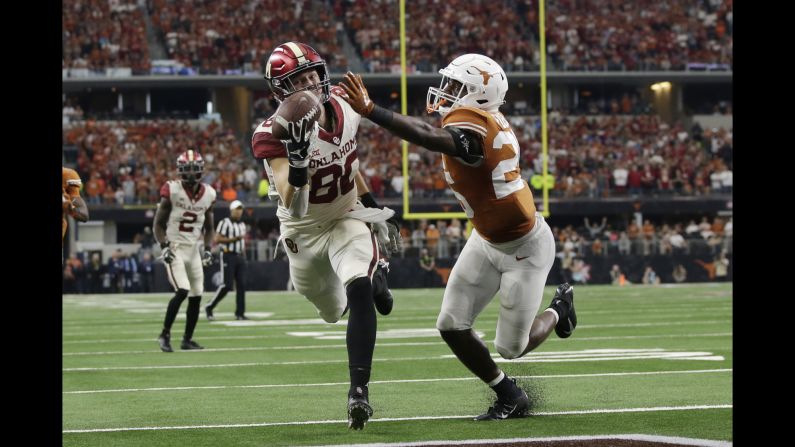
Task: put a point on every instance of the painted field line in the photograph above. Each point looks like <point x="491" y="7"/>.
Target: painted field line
<point x="416" y="418"/>
<point x="586" y="355"/>
<point x="634" y="437"/>
<point x="343" y="323"/>
<point x="447" y="379"/>
<point x="386" y="345"/>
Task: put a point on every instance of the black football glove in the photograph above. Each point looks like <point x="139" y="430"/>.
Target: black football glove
<point x="298" y="144"/>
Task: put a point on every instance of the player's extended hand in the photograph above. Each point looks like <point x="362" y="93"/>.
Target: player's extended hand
<point x="301" y="138"/>
<point x="207" y="258"/>
<point x="168" y="255"/>
<point x="395" y="239"/>
<point x="356" y="94"/>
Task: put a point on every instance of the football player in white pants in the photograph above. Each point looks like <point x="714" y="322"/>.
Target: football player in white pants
<point x="511" y="249"/>
<point x="185" y="210"/>
<point x="331" y="239"/>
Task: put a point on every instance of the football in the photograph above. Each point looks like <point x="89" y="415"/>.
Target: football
<point x="297" y="106"/>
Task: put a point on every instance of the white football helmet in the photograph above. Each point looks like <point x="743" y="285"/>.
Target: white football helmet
<point x="471" y="80"/>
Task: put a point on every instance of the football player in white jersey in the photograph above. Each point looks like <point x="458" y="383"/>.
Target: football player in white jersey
<point x="511" y="249"/>
<point x="333" y="253"/>
<point x="185" y="210"/>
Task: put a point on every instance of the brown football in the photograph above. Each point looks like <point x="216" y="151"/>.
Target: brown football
<point x="297" y="106"/>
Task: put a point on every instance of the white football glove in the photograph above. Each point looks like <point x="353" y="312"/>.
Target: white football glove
<point x="207" y="258"/>
<point x="167" y="254"/>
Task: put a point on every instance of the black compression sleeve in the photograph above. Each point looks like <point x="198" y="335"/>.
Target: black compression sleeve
<point x="469" y="145"/>
<point x="368" y="200"/>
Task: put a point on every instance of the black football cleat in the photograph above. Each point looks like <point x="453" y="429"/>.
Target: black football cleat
<point x="382" y="296"/>
<point x="241" y="317"/>
<point x="165" y="342"/>
<point x="518" y="407"/>
<point x="359" y="410"/>
<point x="563" y="303"/>
<point x="190" y="344"/>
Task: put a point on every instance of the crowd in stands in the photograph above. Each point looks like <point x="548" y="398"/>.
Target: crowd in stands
<point x="235" y="36"/>
<point x="593" y="35"/>
<point x="591" y="157"/>
<point x="100" y="34"/>
<point x="126" y="162"/>
<point x="576" y="246"/>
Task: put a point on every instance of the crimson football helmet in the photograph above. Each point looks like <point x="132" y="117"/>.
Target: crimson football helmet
<point x="190" y="166"/>
<point x="289" y="59"/>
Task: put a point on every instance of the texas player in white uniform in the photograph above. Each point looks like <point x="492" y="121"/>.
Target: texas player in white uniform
<point x="511" y="249"/>
<point x="333" y="253"/>
<point x="184" y="212"/>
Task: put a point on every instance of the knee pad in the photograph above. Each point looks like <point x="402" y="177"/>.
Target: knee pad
<point x="331" y="317"/>
<point x="510" y="352"/>
<point x="447" y="322"/>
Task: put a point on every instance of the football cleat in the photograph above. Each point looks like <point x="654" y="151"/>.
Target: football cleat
<point x="190" y="344"/>
<point x="563" y="303"/>
<point x="518" y="407"/>
<point x="165" y="342"/>
<point x="359" y="410"/>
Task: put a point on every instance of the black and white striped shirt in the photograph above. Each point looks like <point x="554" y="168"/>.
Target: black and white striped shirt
<point x="229" y="229"/>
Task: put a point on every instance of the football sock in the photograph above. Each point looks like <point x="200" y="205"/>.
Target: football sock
<point x="360" y="337"/>
<point x="194" y="303"/>
<point x="173" y="309"/>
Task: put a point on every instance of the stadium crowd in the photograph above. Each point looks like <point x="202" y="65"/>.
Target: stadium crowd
<point x="592" y="157"/>
<point x="100" y="34"/>
<point x="234" y="36"/>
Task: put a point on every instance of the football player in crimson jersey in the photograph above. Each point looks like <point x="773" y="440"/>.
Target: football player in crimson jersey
<point x="330" y="224"/>
<point x="185" y="210"/>
<point x="511" y="249"/>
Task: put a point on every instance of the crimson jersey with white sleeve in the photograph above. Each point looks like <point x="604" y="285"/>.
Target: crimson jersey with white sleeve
<point x="186" y="220"/>
<point x="332" y="166"/>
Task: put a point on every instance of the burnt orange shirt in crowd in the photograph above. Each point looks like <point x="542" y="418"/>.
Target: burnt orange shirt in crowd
<point x="496" y="199"/>
<point x="71" y="190"/>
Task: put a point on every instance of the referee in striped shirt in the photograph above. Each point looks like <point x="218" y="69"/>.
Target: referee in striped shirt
<point x="230" y="235"/>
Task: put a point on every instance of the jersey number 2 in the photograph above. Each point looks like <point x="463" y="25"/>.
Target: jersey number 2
<point x="187" y="218"/>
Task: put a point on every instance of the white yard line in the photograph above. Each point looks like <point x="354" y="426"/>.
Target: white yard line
<point x="387" y="345"/>
<point x="636" y="437"/>
<point x="416" y="418"/>
<point x="447" y="379"/>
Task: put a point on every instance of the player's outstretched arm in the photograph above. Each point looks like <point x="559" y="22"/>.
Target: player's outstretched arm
<point x="413" y="130"/>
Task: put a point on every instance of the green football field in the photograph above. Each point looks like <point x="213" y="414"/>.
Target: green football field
<point x="643" y="360"/>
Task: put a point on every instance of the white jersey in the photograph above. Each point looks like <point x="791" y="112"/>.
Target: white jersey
<point x="333" y="165"/>
<point x="186" y="220"/>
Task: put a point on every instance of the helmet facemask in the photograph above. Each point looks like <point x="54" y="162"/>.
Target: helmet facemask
<point x="449" y="94"/>
<point x="191" y="172"/>
<point x="282" y="87"/>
